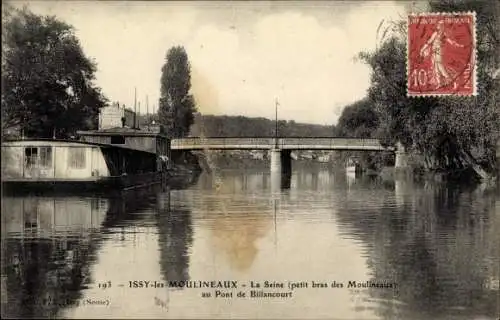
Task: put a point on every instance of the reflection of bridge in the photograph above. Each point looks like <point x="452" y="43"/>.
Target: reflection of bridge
<point x="280" y="148"/>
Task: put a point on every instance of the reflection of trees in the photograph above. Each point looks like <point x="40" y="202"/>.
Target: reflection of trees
<point x="184" y="181"/>
<point x="175" y="238"/>
<point x="48" y="252"/>
<point x="124" y="203"/>
<point x="43" y="276"/>
<point x="49" y="244"/>
<point x="176" y="228"/>
<point x="439" y="247"/>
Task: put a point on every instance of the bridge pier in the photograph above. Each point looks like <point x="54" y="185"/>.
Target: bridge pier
<point x="281" y="161"/>
<point x="281" y="169"/>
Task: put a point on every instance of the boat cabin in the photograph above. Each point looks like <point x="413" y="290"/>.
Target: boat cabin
<point x="135" y="139"/>
<point x="129" y="141"/>
<point x="49" y="159"/>
<point x="122" y="157"/>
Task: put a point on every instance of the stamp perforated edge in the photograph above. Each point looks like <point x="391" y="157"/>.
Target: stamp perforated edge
<point x="473" y="56"/>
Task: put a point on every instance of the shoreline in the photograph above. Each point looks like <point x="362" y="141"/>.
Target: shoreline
<point x="223" y="161"/>
<point x="192" y="163"/>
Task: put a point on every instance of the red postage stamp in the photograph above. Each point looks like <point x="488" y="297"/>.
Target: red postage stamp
<point x="441" y="56"/>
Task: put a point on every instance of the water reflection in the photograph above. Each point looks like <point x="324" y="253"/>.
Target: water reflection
<point x="51" y="244"/>
<point x="235" y="235"/>
<point x="438" y="244"/>
<point x="280" y="182"/>
<point x="47" y="247"/>
<point x="175" y="236"/>
<point x="234" y="214"/>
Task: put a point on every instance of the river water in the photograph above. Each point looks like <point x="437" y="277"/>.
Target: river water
<point x="425" y="251"/>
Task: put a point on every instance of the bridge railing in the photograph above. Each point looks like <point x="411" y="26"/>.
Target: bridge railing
<point x="328" y="142"/>
<point x="282" y="143"/>
<point x="221" y="142"/>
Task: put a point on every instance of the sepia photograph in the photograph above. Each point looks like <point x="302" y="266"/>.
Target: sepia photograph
<point x="250" y="159"/>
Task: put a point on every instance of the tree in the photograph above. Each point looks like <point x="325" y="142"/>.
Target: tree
<point x="455" y="133"/>
<point x="358" y="120"/>
<point x="47" y="81"/>
<point x="177" y="105"/>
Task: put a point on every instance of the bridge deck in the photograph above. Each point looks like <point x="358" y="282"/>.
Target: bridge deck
<point x="280" y="143"/>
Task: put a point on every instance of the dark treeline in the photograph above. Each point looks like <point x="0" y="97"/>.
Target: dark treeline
<point x="240" y="126"/>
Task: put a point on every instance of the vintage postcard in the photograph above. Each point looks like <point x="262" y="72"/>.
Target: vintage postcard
<point x="250" y="160"/>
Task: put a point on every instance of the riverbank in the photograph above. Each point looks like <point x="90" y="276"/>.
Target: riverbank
<point x="465" y="177"/>
<point x="380" y="166"/>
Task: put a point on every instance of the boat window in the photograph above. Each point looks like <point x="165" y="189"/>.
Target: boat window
<point x="77" y="158"/>
<point x="31" y="156"/>
<point x="46" y="156"/>
<point x="117" y="140"/>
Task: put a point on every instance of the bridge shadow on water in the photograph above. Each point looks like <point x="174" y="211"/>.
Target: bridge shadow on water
<point x="51" y="241"/>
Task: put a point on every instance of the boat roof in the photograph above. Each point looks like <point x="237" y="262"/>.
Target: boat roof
<point x="122" y="131"/>
<point x="14" y="142"/>
<point x="49" y="140"/>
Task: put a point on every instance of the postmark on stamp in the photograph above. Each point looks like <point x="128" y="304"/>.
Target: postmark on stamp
<point x="441" y="54"/>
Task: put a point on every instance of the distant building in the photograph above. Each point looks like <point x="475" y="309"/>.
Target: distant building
<point x="111" y="117"/>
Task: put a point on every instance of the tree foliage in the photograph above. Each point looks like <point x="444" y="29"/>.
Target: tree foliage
<point x="241" y="126"/>
<point x="177" y="105"/>
<point x="47" y="81"/>
<point x="358" y="120"/>
<point x="453" y="133"/>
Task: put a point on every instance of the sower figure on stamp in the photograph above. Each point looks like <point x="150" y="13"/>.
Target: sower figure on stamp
<point x="434" y="47"/>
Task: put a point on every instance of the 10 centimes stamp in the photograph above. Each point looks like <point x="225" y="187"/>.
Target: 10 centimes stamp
<point x="441" y="54"/>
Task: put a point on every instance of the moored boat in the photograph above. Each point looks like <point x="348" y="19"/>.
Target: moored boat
<point x="73" y="164"/>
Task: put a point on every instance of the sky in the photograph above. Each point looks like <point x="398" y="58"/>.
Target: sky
<point x="244" y="55"/>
